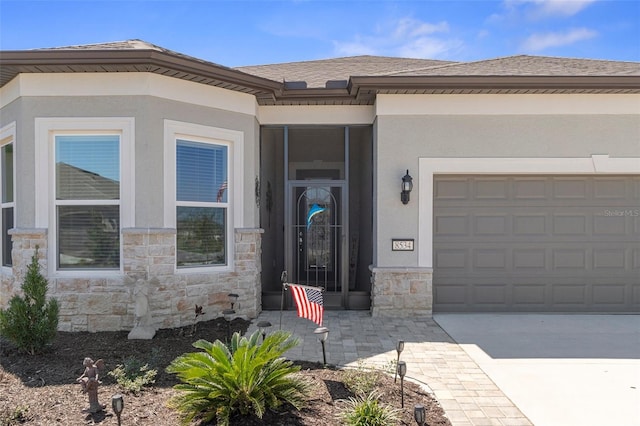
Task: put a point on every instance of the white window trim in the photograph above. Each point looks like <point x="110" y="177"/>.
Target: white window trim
<point x="234" y="139"/>
<point x="428" y="167"/>
<point x="8" y="136"/>
<point x="45" y="131"/>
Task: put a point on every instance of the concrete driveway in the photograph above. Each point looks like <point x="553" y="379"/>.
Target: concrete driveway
<point x="559" y="370"/>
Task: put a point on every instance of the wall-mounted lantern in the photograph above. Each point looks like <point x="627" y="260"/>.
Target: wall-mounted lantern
<point x="407" y="186"/>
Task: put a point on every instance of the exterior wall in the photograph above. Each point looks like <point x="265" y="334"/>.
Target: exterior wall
<point x="99" y="300"/>
<point x="401" y="292"/>
<point x="411" y="129"/>
<point x="91" y="303"/>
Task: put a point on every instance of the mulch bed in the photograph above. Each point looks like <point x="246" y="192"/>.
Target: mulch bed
<point x="41" y="389"/>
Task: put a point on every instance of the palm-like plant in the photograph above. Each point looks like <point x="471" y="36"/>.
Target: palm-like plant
<point x="244" y="377"/>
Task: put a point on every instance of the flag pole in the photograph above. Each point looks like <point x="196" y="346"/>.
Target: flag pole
<point x="283" y="278"/>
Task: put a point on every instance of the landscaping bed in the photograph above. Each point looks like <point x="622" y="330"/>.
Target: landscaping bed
<point x="41" y="389"/>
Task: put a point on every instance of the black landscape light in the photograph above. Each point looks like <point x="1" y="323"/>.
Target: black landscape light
<point x="263" y="326"/>
<point x="117" y="404"/>
<point x="233" y="298"/>
<point x="322" y="333"/>
<point x="419" y="414"/>
<point x="402" y="371"/>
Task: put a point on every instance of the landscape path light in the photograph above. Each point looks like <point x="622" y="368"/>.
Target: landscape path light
<point x="263" y="326"/>
<point x="402" y="370"/>
<point x="117" y="404"/>
<point x="419" y="414"/>
<point x="399" y="349"/>
<point x="322" y="333"/>
<point x="233" y="298"/>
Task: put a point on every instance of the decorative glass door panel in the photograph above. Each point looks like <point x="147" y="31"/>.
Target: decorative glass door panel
<point x="316" y="233"/>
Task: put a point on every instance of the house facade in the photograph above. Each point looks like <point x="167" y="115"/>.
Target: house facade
<point x="127" y="163"/>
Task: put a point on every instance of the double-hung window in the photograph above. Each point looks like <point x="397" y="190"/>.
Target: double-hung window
<point x="87" y="201"/>
<point x="203" y="193"/>
<point x="202" y="203"/>
<point x="7" y="202"/>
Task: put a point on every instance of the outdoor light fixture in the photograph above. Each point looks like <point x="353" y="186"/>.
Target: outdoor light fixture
<point x="402" y="370"/>
<point x="322" y="333"/>
<point x="233" y="298"/>
<point x="399" y="349"/>
<point x="419" y="414"/>
<point x="228" y="315"/>
<point x="407" y="186"/>
<point x="117" y="404"/>
<point x="263" y="326"/>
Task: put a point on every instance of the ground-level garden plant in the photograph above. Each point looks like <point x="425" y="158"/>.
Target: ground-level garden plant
<point x="31" y="321"/>
<point x="246" y="377"/>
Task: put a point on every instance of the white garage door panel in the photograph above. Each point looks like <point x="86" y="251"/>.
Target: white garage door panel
<point x="537" y="243"/>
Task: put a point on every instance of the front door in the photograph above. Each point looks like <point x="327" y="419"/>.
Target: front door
<point x="316" y="238"/>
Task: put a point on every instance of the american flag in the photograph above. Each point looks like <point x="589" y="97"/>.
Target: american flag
<point x="221" y="189"/>
<point x="309" y="302"/>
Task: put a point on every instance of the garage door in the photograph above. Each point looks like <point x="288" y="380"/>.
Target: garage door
<point x="536" y="243"/>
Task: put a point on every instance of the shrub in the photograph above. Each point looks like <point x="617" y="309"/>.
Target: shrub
<point x="368" y="411"/>
<point x="244" y="378"/>
<point x="18" y="415"/>
<point x="133" y="375"/>
<point x="30" y="321"/>
<point x="361" y="380"/>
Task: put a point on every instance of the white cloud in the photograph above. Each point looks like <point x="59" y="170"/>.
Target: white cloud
<point x="428" y="47"/>
<point x="403" y="37"/>
<point x="538" y="42"/>
<point x="548" y="8"/>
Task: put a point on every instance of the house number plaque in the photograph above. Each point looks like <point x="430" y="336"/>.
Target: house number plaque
<point x="401" y="245"/>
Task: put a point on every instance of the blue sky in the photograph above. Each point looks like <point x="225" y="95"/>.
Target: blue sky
<point x="235" y="33"/>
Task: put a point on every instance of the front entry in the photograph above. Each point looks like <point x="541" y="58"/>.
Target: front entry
<point x="316" y="230"/>
<point x="315" y="194"/>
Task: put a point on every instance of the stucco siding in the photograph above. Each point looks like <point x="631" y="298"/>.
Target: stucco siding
<point x="402" y="140"/>
<point x="148" y="113"/>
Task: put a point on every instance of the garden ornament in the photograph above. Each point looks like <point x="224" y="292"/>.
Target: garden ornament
<point x="90" y="381"/>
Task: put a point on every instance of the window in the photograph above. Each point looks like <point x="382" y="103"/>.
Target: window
<point x="201" y="203"/>
<point x="7" y="203"/>
<point x="87" y="200"/>
<point x="84" y="180"/>
<point x="203" y="183"/>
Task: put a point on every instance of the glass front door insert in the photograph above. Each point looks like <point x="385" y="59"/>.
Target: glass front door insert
<point x="316" y="236"/>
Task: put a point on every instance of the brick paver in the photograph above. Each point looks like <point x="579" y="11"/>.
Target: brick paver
<point x="465" y="392"/>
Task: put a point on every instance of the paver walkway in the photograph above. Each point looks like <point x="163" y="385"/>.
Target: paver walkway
<point x="433" y="359"/>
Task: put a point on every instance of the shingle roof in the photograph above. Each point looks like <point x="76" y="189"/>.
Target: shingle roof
<point x="355" y="80"/>
<point x="317" y="73"/>
<point x="524" y="65"/>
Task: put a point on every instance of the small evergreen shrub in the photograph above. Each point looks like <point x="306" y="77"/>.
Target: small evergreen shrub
<point x="31" y="321"/>
<point x="133" y="375"/>
<point x="368" y="411"/>
<point x="246" y="377"/>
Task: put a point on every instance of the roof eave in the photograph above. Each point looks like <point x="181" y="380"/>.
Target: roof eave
<point x="358" y="84"/>
<point x="142" y="57"/>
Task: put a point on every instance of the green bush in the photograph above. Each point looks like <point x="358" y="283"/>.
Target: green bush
<point x="15" y="416"/>
<point x="133" y="375"/>
<point x="361" y="380"/>
<point x="247" y="377"/>
<point x="368" y="411"/>
<point x="30" y="321"/>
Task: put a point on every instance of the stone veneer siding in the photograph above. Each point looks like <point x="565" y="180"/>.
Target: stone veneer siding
<point x="104" y="302"/>
<point x="401" y="292"/>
